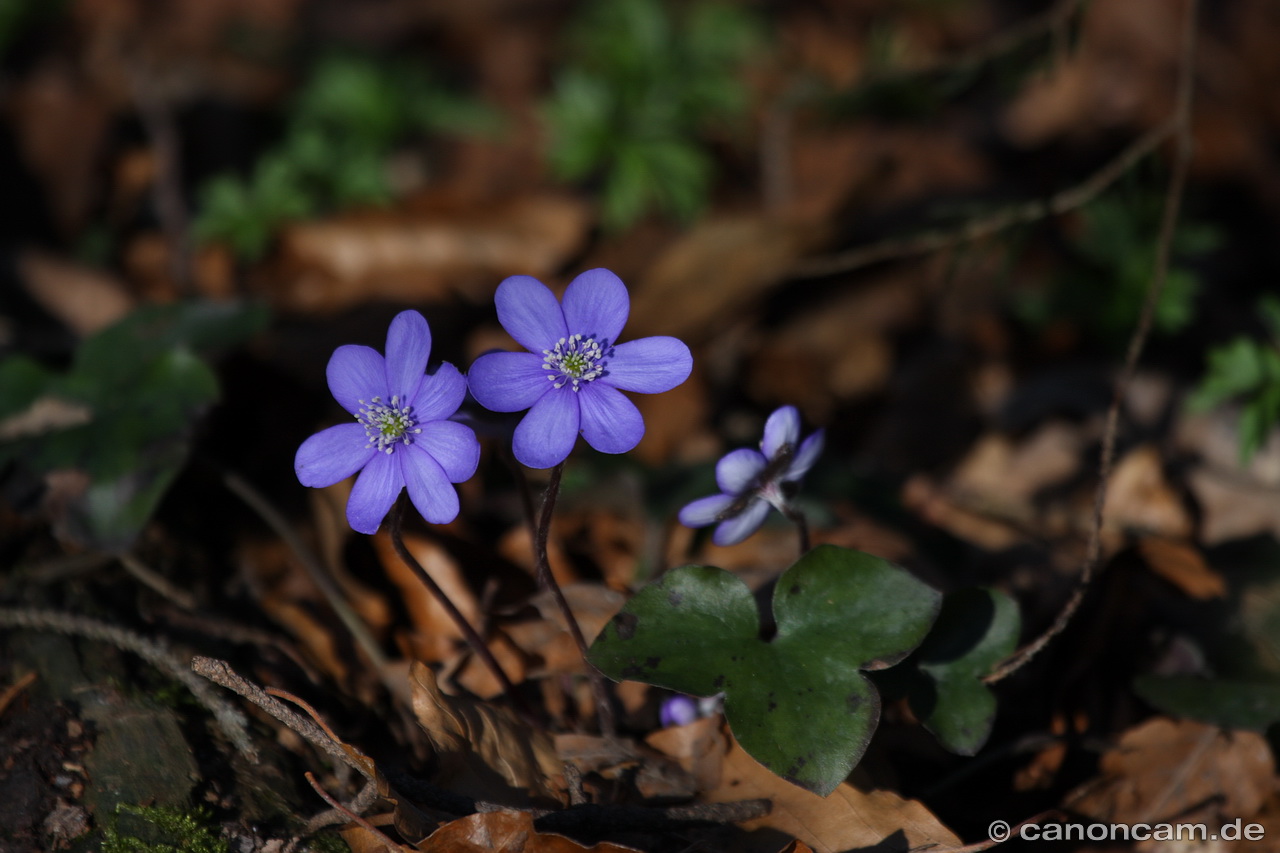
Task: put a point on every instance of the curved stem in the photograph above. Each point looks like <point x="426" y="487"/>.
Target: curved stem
<point x="797" y="518"/>
<point x="548" y="581"/>
<point x="473" y="638"/>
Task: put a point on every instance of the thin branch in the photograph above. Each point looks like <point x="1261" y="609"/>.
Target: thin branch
<point x="154" y="652"/>
<point x="984" y="226"/>
<point x="149" y="577"/>
<point x="351" y="815"/>
<point x="256" y="501"/>
<point x="1029" y="29"/>
<point x="155" y="111"/>
<point x="1181" y="121"/>
<point x="220" y="672"/>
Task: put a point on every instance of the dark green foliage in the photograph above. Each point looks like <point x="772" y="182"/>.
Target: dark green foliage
<point x="134" y="391"/>
<point x="340" y="128"/>
<point x="1247" y="370"/>
<point x="1114" y="245"/>
<point x="798" y="702"/>
<point x="638" y="97"/>
<point x="168" y="830"/>
<point x="976" y="629"/>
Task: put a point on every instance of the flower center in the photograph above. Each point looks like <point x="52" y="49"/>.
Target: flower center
<point x="574" y="360"/>
<point x="387" y="425"/>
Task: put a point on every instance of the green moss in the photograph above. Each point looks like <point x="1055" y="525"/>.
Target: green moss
<point x="168" y="830"/>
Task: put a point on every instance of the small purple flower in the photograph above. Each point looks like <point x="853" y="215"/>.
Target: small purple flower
<point x="573" y="376"/>
<point x="678" y="710"/>
<point x="751" y="481"/>
<point x="402" y="435"/>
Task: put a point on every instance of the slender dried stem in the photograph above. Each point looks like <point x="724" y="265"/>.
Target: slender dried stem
<point x="548" y="582"/>
<point x="469" y="633"/>
<point x="1181" y="122"/>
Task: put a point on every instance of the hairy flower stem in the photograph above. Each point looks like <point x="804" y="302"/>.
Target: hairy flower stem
<point x="474" y="640"/>
<point x="797" y="518"/>
<point x="548" y="582"/>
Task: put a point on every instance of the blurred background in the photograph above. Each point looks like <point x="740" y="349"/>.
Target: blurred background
<point x="929" y="224"/>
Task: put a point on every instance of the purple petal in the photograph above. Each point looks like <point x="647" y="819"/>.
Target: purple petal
<point x="453" y="446"/>
<point x="649" y="365"/>
<point x="530" y="313"/>
<point x="332" y="455"/>
<point x="596" y="305"/>
<point x="356" y="373"/>
<point x="810" y="450"/>
<point x="440" y="395"/>
<point x="508" y="381"/>
<point x="782" y="428"/>
<point x="610" y="422"/>
<point x="678" y="711"/>
<point x="376" y="489"/>
<point x="429" y="489"/>
<point x="705" y="511"/>
<point x="544" y="438"/>
<point x="736" y="471"/>
<point x="408" y="347"/>
<point x="734" y="530"/>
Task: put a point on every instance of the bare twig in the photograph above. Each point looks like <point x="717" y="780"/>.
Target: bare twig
<point x="156" y="113"/>
<point x="984" y="226"/>
<point x="220" y="672"/>
<point x="1050" y="21"/>
<point x="149" y="577"/>
<point x="13" y="691"/>
<point x="154" y="652"/>
<point x="1181" y="122"/>
<point x="242" y="489"/>
<point x="351" y="815"/>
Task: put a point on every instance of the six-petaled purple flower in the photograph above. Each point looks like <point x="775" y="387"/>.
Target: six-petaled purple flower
<point x="751" y="481"/>
<point x="573" y="376"/>
<point x="401" y="436"/>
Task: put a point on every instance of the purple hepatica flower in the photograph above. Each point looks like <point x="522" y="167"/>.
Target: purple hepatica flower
<point x="573" y="376"/>
<point x="751" y="481"/>
<point x="402" y="435"/>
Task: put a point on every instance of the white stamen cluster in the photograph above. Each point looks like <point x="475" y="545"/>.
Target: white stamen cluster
<point x="575" y="360"/>
<point x="387" y="425"/>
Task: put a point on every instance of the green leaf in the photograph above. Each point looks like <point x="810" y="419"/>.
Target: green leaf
<point x="798" y="702"/>
<point x="1230" y="703"/>
<point x="976" y="629"/>
<point x="23" y="380"/>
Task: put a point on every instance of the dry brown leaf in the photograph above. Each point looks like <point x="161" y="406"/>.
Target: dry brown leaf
<point x="516" y="545"/>
<point x="836" y="351"/>
<point x="1140" y="498"/>
<point x="84" y="299"/>
<point x="714" y="272"/>
<point x="848" y="818"/>
<point x="1010" y="473"/>
<point x="796" y="846"/>
<point x="700" y="748"/>
<point x="416" y="257"/>
<point x="505" y="832"/>
<point x="1182" y="564"/>
<point x="931" y="502"/>
<point x="436" y="634"/>
<point x="362" y="840"/>
<point x="484" y="750"/>
<point x="628" y="768"/>
<point x="1162" y="768"/>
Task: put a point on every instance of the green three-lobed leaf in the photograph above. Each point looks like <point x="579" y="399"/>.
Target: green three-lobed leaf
<point x="798" y="702"/>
